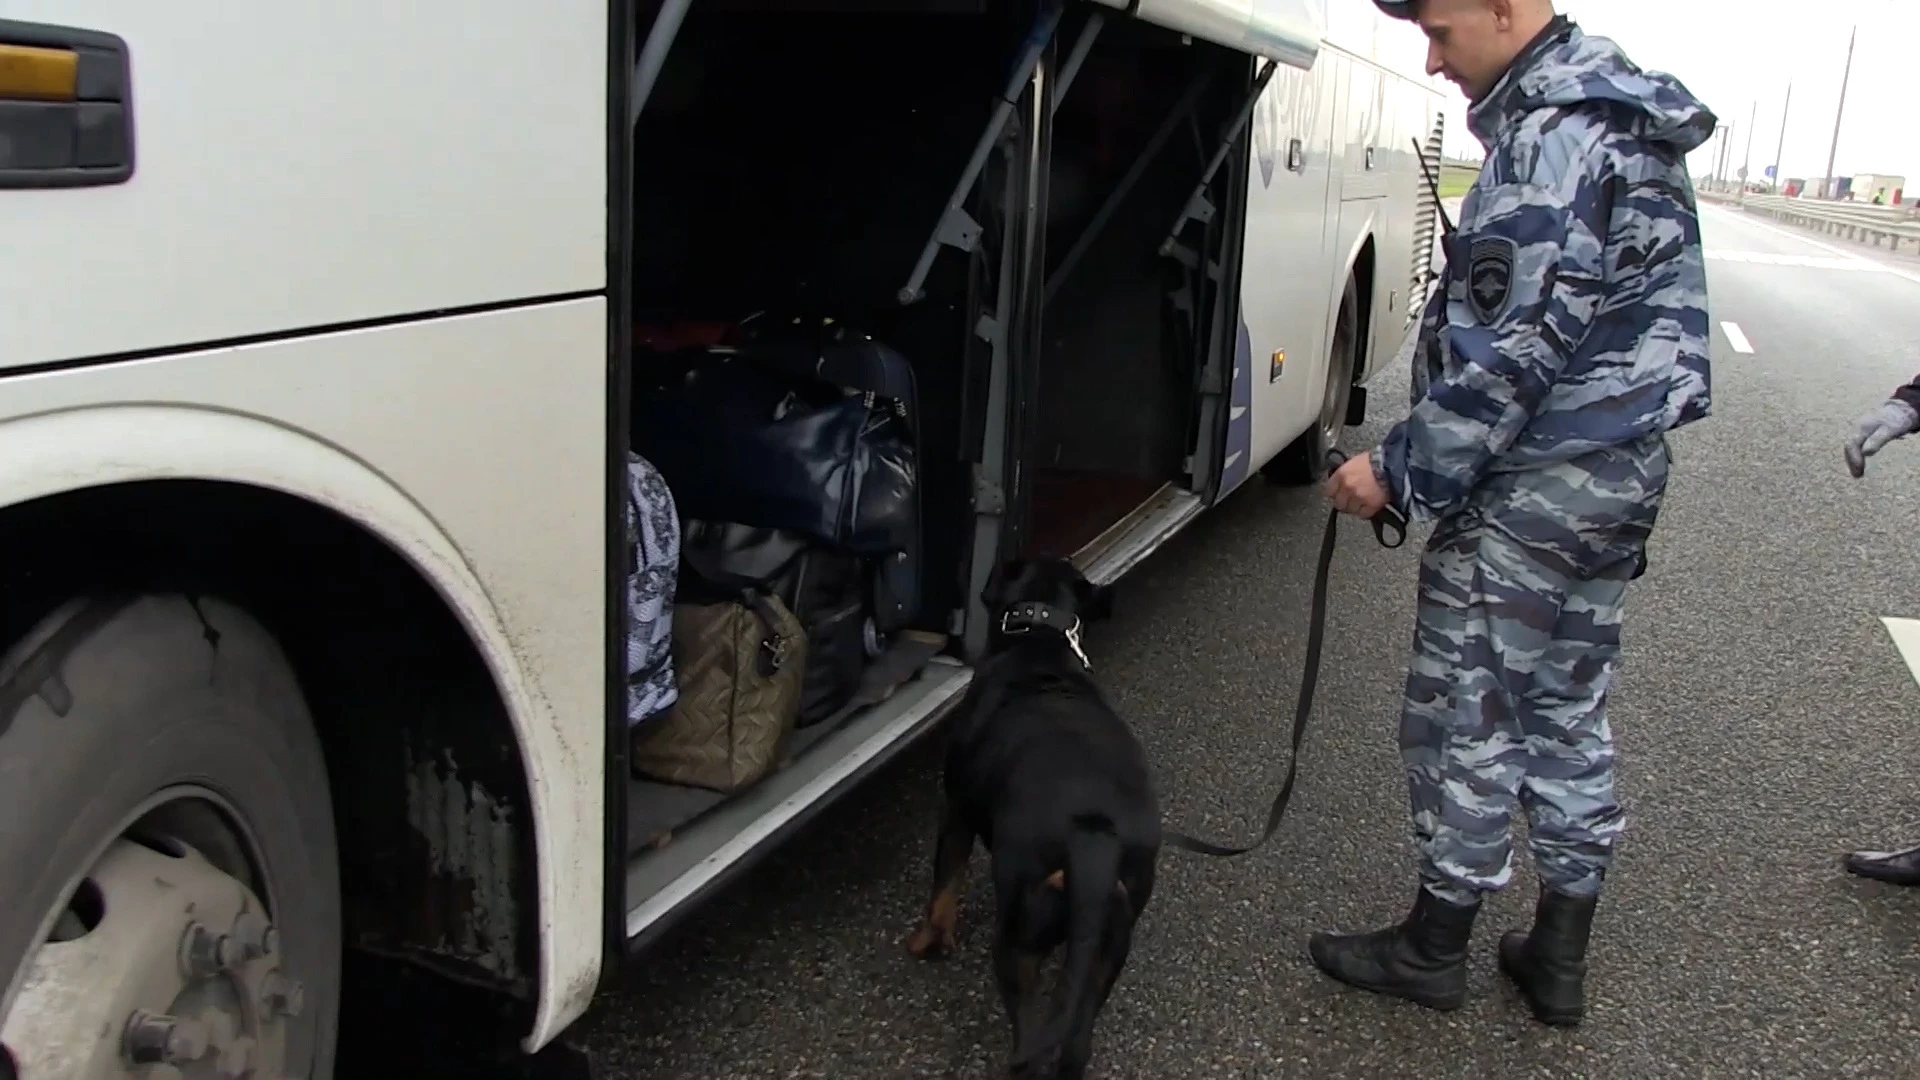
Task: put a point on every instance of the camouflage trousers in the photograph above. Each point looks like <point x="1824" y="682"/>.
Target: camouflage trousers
<point x="1516" y="641"/>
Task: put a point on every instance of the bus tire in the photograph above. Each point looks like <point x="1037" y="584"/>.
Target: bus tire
<point x="166" y="830"/>
<point x="1298" y="464"/>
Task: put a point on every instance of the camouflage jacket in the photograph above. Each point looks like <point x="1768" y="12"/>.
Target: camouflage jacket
<point x="1909" y="393"/>
<point x="1573" y="311"/>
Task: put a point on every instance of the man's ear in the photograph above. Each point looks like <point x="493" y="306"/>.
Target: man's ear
<point x="994" y="595"/>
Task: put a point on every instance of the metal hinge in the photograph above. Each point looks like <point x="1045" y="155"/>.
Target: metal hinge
<point x="988" y="498"/>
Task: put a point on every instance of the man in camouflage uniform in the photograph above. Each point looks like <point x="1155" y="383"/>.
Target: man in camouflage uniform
<point x="1568" y="336"/>
<point x="1895" y="418"/>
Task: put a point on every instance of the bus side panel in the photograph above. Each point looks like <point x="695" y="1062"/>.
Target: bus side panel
<point x="1392" y="236"/>
<point x="1397" y="295"/>
<point x="1364" y="167"/>
<point x="1291" y="224"/>
<point x="1398" y="138"/>
<point x="475" y="445"/>
<point x="301" y="164"/>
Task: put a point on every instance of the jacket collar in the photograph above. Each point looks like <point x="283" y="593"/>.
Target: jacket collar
<point x="1489" y="117"/>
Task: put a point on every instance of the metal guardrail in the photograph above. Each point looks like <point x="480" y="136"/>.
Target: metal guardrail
<point x="1869" y="223"/>
<point x="1866" y="211"/>
<point x="1908" y="211"/>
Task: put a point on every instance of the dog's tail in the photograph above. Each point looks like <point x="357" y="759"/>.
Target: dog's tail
<point x="1094" y="901"/>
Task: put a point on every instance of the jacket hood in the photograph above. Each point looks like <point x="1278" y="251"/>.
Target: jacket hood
<point x="1565" y="68"/>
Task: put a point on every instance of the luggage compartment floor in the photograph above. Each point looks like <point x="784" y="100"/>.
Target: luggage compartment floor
<point x="654" y="810"/>
<point x="1071" y="507"/>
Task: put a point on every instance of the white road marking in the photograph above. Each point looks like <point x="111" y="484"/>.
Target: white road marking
<point x="1906" y="638"/>
<point x="1816" y="262"/>
<point x="1791" y="234"/>
<point x="1236" y="412"/>
<point x="1736" y="338"/>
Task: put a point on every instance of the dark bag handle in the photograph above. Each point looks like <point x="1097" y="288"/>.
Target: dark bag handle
<point x="772" y="654"/>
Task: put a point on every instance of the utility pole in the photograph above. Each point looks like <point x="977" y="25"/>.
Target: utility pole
<point x="1834" y="150"/>
<point x="1746" y="166"/>
<point x="1781" y="153"/>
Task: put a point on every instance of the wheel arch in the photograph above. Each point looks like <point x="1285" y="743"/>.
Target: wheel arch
<point x="434" y="741"/>
<point x="1362" y="271"/>
<point x="1357" y="271"/>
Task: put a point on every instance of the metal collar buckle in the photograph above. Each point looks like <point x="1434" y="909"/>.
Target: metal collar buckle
<point x="1031" y="614"/>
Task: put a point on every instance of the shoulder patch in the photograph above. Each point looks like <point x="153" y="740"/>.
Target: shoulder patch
<point x="1490" y="262"/>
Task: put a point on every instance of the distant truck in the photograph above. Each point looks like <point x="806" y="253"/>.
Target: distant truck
<point x="1879" y="188"/>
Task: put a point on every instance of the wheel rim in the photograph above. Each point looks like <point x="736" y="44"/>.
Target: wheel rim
<point x="161" y="960"/>
<point x="1334" y="402"/>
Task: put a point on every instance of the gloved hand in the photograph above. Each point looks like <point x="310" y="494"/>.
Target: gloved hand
<point x="1888" y="421"/>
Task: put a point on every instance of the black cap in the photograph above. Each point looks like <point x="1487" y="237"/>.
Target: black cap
<point x="1399" y="9"/>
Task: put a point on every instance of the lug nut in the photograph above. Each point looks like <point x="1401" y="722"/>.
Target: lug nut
<point x="204" y="953"/>
<point x="236" y="1061"/>
<point x="255" y="935"/>
<point x="147" y="1037"/>
<point x="283" y="996"/>
<point x="154" y="1039"/>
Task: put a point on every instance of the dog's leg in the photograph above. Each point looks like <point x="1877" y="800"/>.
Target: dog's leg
<point x="935" y="936"/>
<point x="1030" y="919"/>
<point x="1117" y="941"/>
<point x="1018" y="973"/>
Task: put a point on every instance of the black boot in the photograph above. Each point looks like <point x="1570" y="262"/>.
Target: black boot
<point x="1549" y="964"/>
<point x="1423" y="959"/>
<point x="1893" y="867"/>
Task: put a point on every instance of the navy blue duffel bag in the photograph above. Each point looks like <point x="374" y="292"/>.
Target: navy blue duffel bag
<point x="802" y="427"/>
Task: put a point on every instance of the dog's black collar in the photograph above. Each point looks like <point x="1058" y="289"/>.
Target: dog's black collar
<point x="1025" y="618"/>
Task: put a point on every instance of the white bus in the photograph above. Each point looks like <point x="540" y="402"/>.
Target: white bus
<point x="318" y="330"/>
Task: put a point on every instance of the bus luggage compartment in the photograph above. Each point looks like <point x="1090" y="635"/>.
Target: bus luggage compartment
<point x="792" y="166"/>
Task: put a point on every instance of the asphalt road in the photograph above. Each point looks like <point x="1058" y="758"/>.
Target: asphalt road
<point x="1765" y="720"/>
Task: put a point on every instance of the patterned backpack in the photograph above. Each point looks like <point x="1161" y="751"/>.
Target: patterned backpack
<point x="653" y="561"/>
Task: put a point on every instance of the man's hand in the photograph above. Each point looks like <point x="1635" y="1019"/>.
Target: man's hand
<point x="1354" y="489"/>
<point x="1888" y="421"/>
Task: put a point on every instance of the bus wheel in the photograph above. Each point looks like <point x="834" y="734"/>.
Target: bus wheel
<point x="1296" y="464"/>
<point x="172" y="902"/>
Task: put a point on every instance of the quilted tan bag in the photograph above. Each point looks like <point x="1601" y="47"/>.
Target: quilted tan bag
<point x="740" y="664"/>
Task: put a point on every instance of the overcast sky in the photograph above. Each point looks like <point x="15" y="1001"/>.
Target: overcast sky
<point x="1736" y="57"/>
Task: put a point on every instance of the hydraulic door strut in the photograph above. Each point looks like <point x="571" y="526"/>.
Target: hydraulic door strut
<point x="1198" y="207"/>
<point x="956" y="227"/>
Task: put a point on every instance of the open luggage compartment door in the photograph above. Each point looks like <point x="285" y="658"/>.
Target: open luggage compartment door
<point x="1121" y="412"/>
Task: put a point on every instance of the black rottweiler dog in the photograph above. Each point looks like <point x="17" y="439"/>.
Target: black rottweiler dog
<point x="1048" y="776"/>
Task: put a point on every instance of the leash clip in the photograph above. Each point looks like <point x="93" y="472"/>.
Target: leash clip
<point x="1073" y="642"/>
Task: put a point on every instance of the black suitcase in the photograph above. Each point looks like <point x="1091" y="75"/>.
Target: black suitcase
<point x="827" y="592"/>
